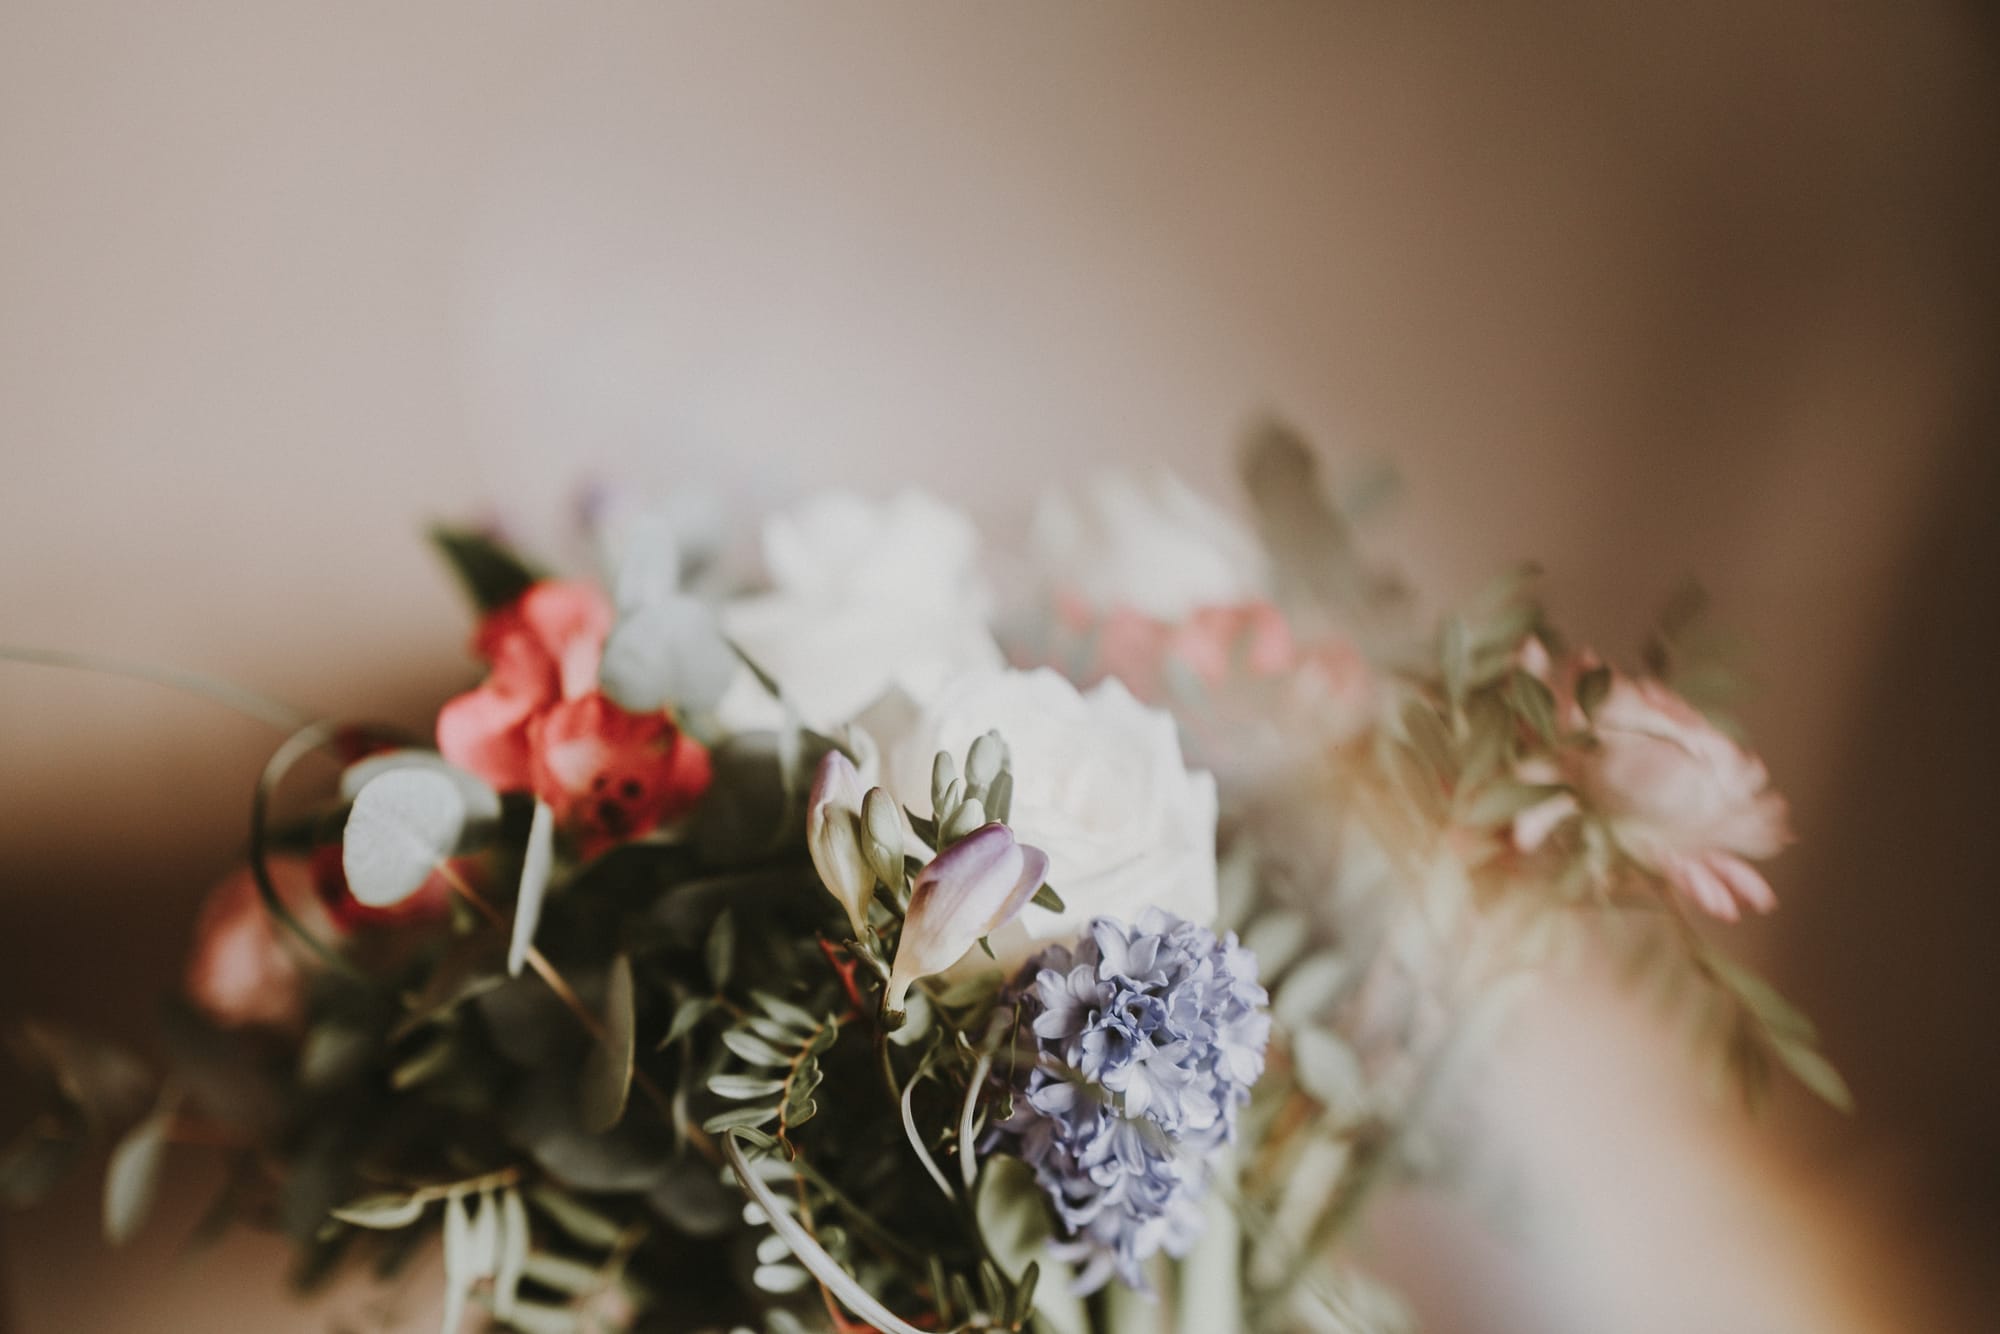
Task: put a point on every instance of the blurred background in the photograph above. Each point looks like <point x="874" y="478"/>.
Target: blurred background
<point x="1639" y="290"/>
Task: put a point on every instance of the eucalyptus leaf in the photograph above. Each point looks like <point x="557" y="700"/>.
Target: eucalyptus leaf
<point x="482" y="803"/>
<point x="132" y="1179"/>
<point x="607" y="1070"/>
<point x="537" y="864"/>
<point x="404" y="822"/>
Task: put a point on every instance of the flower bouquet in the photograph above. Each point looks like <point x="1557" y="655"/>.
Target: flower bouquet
<point x="861" y="950"/>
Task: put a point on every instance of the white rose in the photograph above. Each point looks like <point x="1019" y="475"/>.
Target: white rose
<point x="865" y="596"/>
<point x="1149" y="544"/>
<point x="1099" y="785"/>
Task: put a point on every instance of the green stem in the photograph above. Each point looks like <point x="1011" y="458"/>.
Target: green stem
<point x="246" y="702"/>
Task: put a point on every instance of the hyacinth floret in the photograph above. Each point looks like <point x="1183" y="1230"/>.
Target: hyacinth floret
<point x="1147" y="1040"/>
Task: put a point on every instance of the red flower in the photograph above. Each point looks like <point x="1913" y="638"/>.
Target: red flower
<point x="539" y="723"/>
<point x="609" y="774"/>
<point x="543" y="648"/>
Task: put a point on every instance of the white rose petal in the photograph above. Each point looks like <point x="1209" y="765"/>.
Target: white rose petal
<point x="866" y="597"/>
<point x="1099" y="785"/>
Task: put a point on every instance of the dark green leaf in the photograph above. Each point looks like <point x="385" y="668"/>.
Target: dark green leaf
<point x="689" y="1013"/>
<point x="720" y="951"/>
<point x="607" y="1070"/>
<point x="492" y="575"/>
<point x="1047" y="898"/>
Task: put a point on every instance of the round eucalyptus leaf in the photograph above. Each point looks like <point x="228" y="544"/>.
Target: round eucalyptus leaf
<point x="404" y="822"/>
<point x="482" y="803"/>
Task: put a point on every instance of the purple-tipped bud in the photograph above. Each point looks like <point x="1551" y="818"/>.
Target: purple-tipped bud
<point x="972" y="889"/>
<point x="833" y="836"/>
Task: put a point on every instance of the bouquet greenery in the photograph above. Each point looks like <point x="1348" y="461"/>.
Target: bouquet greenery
<point x="786" y="959"/>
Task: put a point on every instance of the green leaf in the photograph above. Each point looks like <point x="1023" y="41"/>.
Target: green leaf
<point x="786" y="1013"/>
<point x="514" y="1241"/>
<point x="689" y="1013"/>
<point x="754" y="1049"/>
<point x="492" y="575"/>
<point x="1501" y="800"/>
<point x="1276" y="939"/>
<point x="1047" y="898"/>
<point x="1591" y="688"/>
<point x="404" y="822"/>
<point x="1326" y="1068"/>
<point x="739" y="1118"/>
<point x="720" y="951"/>
<point x="738" y="1088"/>
<point x="133" y="1177"/>
<point x="607" y="1070"/>
<point x="385" y="1213"/>
<point x="581" y="1222"/>
<point x="537" y="864"/>
<point x="1817" y="1073"/>
<point x="1310" y="987"/>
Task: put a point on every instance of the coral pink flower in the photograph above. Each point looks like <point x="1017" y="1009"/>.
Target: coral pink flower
<point x="609" y="774"/>
<point x="542" y="648"/>
<point x="539" y="723"/>
<point x="245" y="971"/>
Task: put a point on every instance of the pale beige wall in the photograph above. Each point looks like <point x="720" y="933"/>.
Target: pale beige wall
<point x="1640" y="291"/>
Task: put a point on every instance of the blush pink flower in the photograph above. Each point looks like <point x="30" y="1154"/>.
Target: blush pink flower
<point x="1683" y="798"/>
<point x="539" y="724"/>
<point x="1678" y="795"/>
<point x="245" y="971"/>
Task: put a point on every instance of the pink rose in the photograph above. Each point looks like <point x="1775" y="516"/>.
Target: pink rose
<point x="246" y="971"/>
<point x="539" y="724"/>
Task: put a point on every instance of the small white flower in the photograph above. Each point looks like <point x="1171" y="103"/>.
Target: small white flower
<point x="865" y="597"/>
<point x="1146" y="544"/>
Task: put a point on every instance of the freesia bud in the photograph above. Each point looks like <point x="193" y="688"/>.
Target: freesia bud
<point x="882" y="825"/>
<point x="833" y="836"/>
<point x="968" y="891"/>
<point x="970" y="815"/>
<point x="984" y="762"/>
